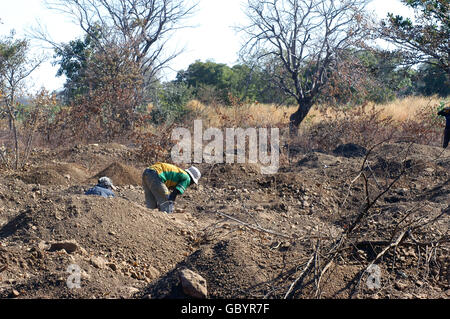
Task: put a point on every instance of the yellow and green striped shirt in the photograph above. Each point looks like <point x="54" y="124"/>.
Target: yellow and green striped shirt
<point x="172" y="176"/>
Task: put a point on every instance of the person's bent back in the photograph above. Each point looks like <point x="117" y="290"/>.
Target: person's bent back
<point x="103" y="188"/>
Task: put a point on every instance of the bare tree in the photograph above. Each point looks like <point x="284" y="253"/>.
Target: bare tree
<point x="15" y="67"/>
<point x="141" y="27"/>
<point x="307" y="38"/>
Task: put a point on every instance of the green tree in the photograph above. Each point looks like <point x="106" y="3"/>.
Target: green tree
<point x="201" y="76"/>
<point x="431" y="79"/>
<point x="427" y="38"/>
<point x="140" y="27"/>
<point x="169" y="102"/>
<point x="73" y="58"/>
<point x="378" y="76"/>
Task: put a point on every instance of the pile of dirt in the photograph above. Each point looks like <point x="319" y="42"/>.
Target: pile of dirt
<point x="55" y="174"/>
<point x="121" y="174"/>
<point x="350" y="150"/>
<point x="118" y="244"/>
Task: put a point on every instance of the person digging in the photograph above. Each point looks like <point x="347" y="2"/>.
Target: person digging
<point x="103" y="188"/>
<point x="159" y="178"/>
<point x="446" y="112"/>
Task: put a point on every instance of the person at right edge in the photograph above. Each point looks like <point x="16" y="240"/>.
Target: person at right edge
<point x="159" y="178"/>
<point x="446" y="112"/>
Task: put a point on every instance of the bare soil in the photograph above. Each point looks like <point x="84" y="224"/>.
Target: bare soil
<point x="249" y="235"/>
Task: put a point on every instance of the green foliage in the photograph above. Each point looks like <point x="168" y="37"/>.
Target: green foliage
<point x="14" y="66"/>
<point x="213" y="83"/>
<point x="73" y="59"/>
<point x="431" y="79"/>
<point x="201" y="75"/>
<point x="428" y="37"/>
<point x="435" y="118"/>
<point x="170" y="101"/>
<point x="390" y="78"/>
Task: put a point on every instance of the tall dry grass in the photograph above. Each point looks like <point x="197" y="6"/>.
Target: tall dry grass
<point x="245" y="115"/>
<point x="254" y="114"/>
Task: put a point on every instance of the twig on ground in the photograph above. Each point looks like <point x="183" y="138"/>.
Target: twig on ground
<point x="253" y="226"/>
<point x="301" y="276"/>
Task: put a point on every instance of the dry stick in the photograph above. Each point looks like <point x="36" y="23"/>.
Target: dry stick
<point x="362" y="168"/>
<point x="308" y="265"/>
<point x="253" y="226"/>
<point x="328" y="265"/>
<point x="385" y="250"/>
<point x="3" y="156"/>
<point x="305" y="270"/>
<point x="349" y="186"/>
<point x="373" y="175"/>
<point x="407" y="214"/>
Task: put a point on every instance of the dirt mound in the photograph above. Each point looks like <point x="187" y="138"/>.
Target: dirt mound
<point x="350" y="150"/>
<point x="233" y="268"/>
<point x="121" y="244"/>
<point x="121" y="174"/>
<point x="55" y="174"/>
<point x="319" y="160"/>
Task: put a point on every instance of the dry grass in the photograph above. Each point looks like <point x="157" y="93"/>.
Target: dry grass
<point x="399" y="110"/>
<point x="410" y="107"/>
<point x="246" y="115"/>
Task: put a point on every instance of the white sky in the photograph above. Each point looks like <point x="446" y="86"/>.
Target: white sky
<point x="212" y="38"/>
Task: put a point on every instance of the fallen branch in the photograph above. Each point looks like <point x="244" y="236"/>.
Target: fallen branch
<point x="257" y="228"/>
<point x="404" y="243"/>
<point x="301" y="276"/>
<point x="385" y="250"/>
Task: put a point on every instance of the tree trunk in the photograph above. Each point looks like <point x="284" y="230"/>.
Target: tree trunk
<point x="16" y="143"/>
<point x="298" y="116"/>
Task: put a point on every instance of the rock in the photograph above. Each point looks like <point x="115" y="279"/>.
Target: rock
<point x="85" y="275"/>
<point x="98" y="262"/>
<point x="131" y="290"/>
<point x="193" y="284"/>
<point x="112" y="266"/>
<point x="15" y="293"/>
<point x="152" y="272"/>
<point x="400" y="285"/>
<point x="70" y="246"/>
<point x="43" y="246"/>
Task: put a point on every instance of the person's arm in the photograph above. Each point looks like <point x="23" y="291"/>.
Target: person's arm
<point x="174" y="194"/>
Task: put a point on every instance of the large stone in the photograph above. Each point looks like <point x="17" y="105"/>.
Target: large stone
<point x="193" y="284"/>
<point x="151" y="273"/>
<point x="98" y="262"/>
